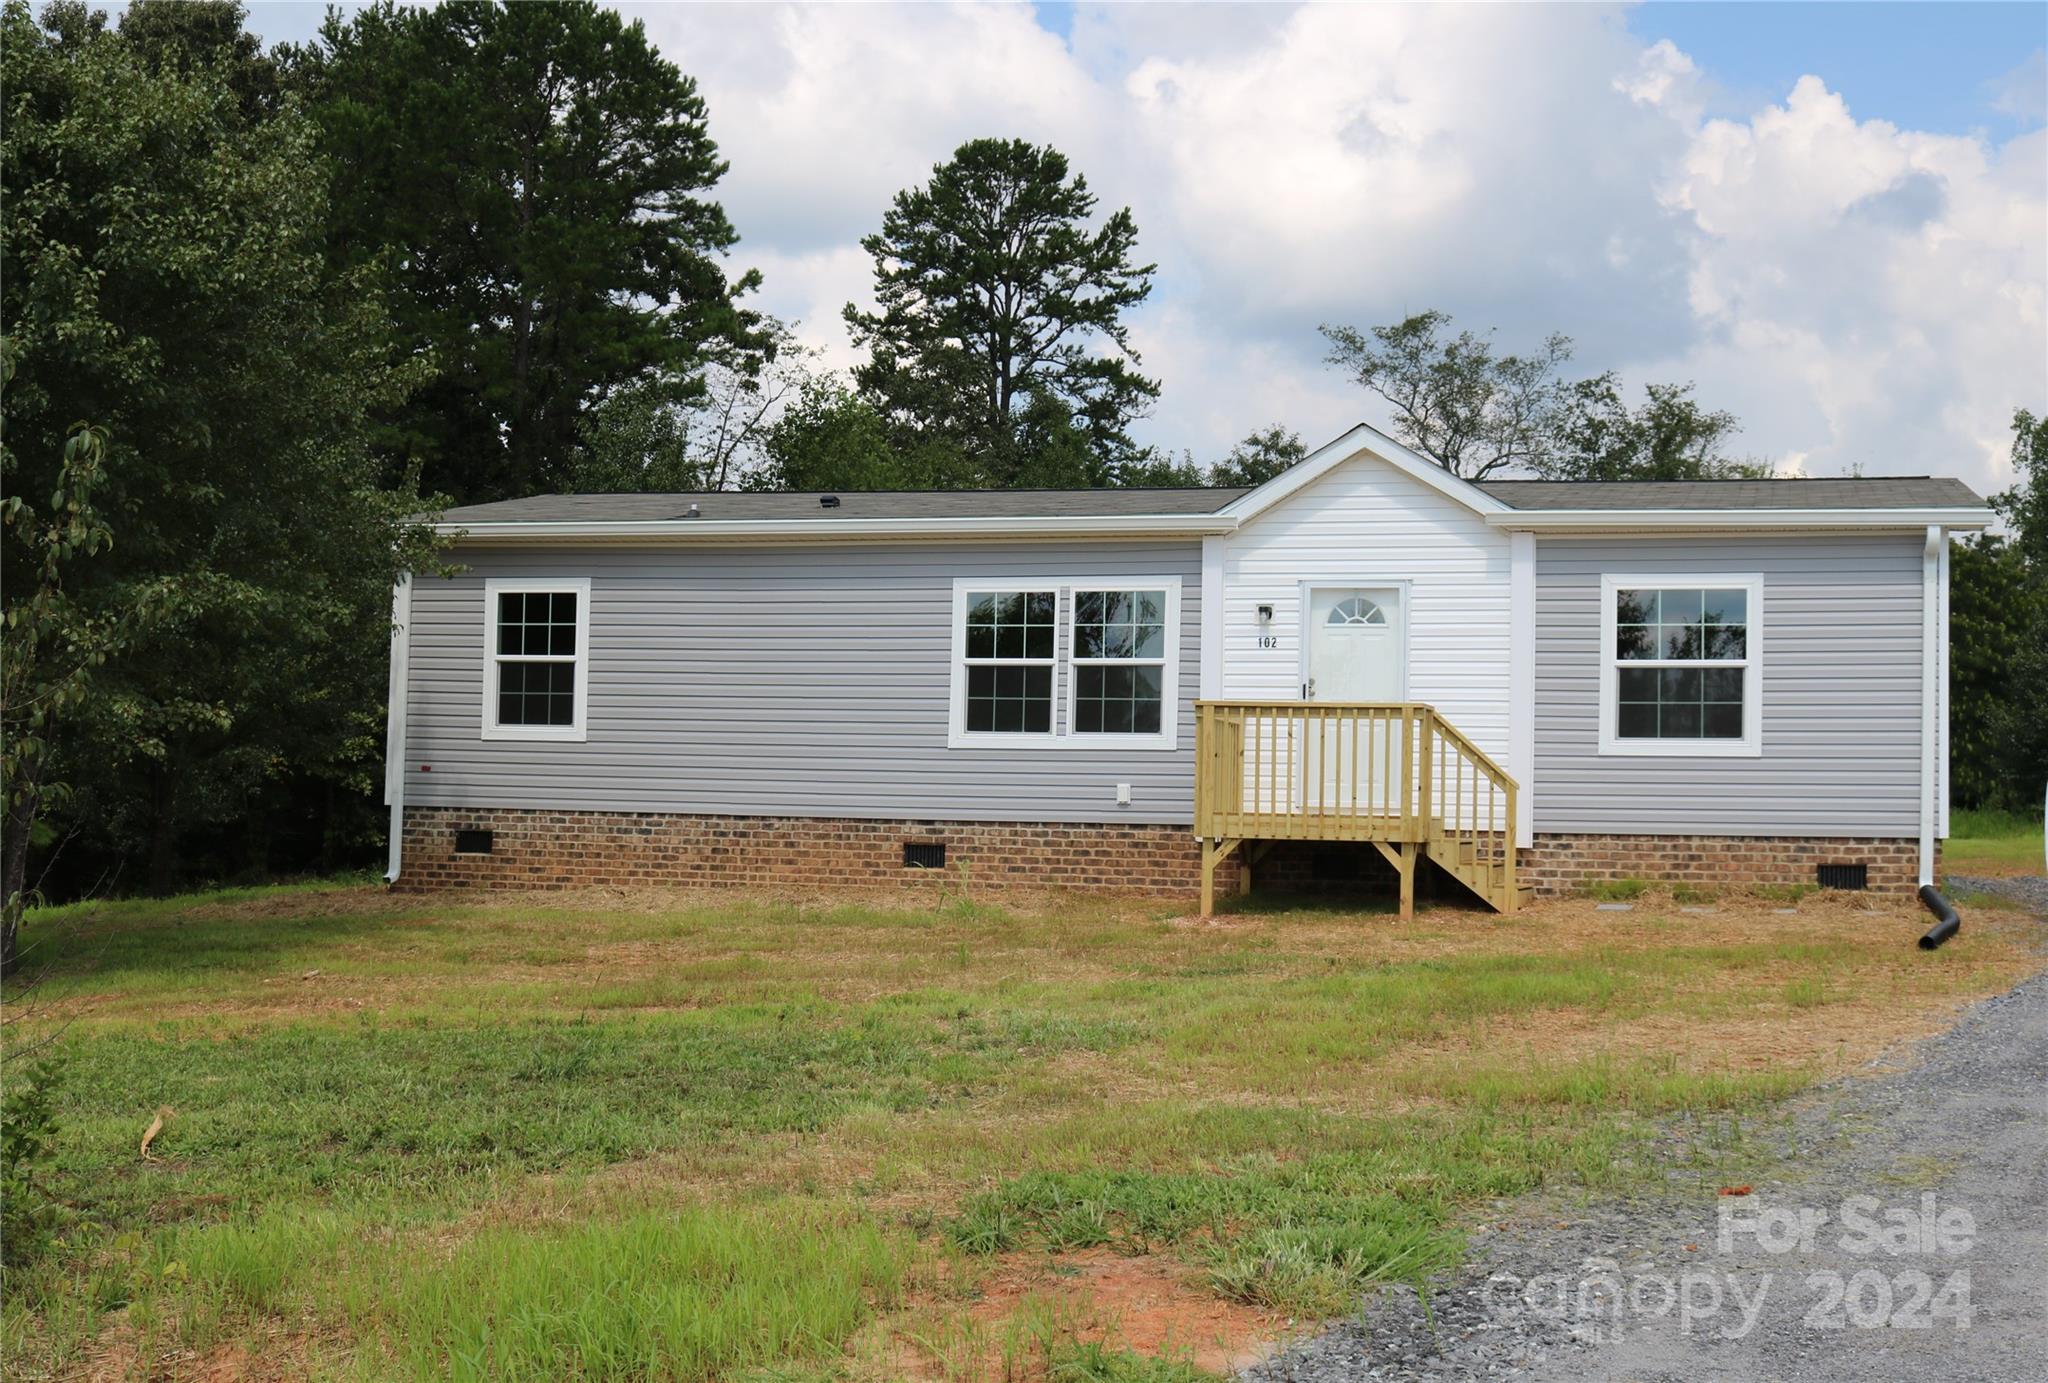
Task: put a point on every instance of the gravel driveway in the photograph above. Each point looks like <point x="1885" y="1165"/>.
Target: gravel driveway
<point x="1939" y="1272"/>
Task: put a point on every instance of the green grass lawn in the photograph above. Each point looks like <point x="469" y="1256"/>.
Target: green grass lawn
<point x="705" y="1136"/>
<point x="1993" y="842"/>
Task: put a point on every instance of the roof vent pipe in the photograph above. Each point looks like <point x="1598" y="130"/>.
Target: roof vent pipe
<point x="828" y="501"/>
<point x="694" y="513"/>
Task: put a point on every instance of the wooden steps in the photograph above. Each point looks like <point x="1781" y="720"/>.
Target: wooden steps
<point x="1395" y="774"/>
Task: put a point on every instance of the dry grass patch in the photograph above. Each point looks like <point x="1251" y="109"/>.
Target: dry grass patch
<point x="384" y="1099"/>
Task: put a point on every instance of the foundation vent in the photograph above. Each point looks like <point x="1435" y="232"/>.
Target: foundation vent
<point x="473" y="842"/>
<point x="924" y="854"/>
<point x="1843" y="875"/>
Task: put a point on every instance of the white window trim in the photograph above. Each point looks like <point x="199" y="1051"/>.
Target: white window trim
<point x="1750" y="746"/>
<point x="1062" y="735"/>
<point x="580" y="588"/>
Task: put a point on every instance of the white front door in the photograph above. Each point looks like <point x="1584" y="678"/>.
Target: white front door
<point x="1355" y="644"/>
<point x="1356" y="651"/>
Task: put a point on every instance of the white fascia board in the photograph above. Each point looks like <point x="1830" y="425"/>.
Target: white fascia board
<point x="1367" y="439"/>
<point x="831" y="530"/>
<point x="1737" y="520"/>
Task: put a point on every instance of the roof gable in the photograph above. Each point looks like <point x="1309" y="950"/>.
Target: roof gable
<point x="1363" y="440"/>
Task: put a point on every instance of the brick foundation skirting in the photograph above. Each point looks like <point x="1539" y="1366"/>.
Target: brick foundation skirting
<point x="573" y="849"/>
<point x="1562" y="863"/>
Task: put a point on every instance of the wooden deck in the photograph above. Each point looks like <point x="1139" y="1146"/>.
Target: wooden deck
<point x="1394" y="774"/>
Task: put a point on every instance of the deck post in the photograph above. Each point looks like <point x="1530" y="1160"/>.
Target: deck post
<point x="1213" y="854"/>
<point x="1511" y="893"/>
<point x="1408" y="751"/>
<point x="1409" y="850"/>
<point x="1425" y="805"/>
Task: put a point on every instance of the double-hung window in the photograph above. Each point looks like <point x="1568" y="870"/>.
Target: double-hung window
<point x="1009" y="637"/>
<point x="1681" y="665"/>
<point x="1065" y="664"/>
<point x="1119" y="658"/>
<point x="536" y="659"/>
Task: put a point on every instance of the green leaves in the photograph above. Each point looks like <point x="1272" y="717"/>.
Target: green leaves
<point x="534" y="179"/>
<point x="1001" y="326"/>
<point x="1998" y="601"/>
<point x="164" y="219"/>
<point x="1476" y="412"/>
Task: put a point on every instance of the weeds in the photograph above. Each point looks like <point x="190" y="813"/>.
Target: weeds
<point x="450" y="1137"/>
<point x="28" y="1135"/>
<point x="1614" y="890"/>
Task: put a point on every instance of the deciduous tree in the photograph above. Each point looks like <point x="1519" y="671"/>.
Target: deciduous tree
<point x="1259" y="457"/>
<point x="1478" y="413"/>
<point x="1469" y="409"/>
<point x="1594" y="435"/>
<point x="166" y="280"/>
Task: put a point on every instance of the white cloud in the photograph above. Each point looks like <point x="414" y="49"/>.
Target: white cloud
<point x="1858" y="293"/>
<point x="1866" y="295"/>
<point x="2023" y="92"/>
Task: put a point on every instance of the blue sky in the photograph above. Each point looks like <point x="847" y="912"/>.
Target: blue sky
<point x="1930" y="66"/>
<point x="1927" y="66"/>
<point x="1831" y="219"/>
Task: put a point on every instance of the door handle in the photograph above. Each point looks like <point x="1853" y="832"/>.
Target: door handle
<point x="1308" y="690"/>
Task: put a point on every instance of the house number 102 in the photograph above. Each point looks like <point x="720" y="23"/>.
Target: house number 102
<point x="1269" y="641"/>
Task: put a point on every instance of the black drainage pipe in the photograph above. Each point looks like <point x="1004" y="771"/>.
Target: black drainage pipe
<point x="1947" y="923"/>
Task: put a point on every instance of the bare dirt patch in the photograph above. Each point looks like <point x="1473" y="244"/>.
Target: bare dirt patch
<point x="1145" y="1303"/>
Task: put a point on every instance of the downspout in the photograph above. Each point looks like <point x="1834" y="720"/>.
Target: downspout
<point x="394" y="723"/>
<point x="1945" y="791"/>
<point x="1930" y="692"/>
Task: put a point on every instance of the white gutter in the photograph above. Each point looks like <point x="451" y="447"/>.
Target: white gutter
<point x="826" y="530"/>
<point x="1538" y="520"/>
<point x="1930" y="611"/>
<point x="394" y="723"/>
<point x="1180" y="525"/>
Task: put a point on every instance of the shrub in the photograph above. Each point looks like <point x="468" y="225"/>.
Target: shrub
<point x="28" y="1133"/>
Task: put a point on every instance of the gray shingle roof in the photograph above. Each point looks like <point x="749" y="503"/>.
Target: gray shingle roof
<point x="1871" y="492"/>
<point x="1878" y="492"/>
<point x="869" y="504"/>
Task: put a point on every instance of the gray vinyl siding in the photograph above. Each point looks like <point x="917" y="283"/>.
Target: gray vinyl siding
<point x="779" y="681"/>
<point x="1841" y="692"/>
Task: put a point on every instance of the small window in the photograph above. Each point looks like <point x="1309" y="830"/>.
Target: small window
<point x="536" y="659"/>
<point x="1680" y="665"/>
<point x="924" y="854"/>
<point x="1119" y="662"/>
<point x="1357" y="610"/>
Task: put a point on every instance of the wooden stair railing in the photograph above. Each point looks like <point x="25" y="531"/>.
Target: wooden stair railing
<point x="1394" y="774"/>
